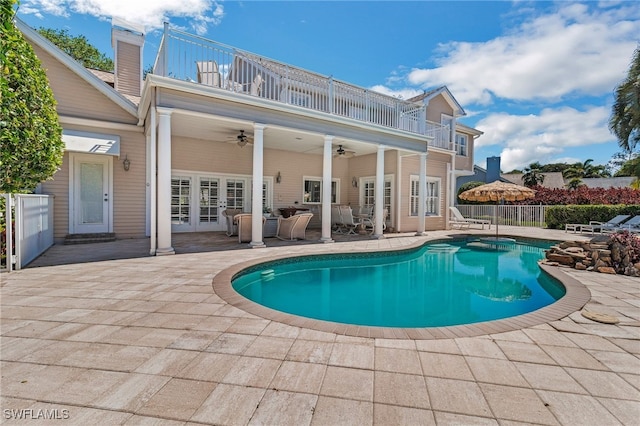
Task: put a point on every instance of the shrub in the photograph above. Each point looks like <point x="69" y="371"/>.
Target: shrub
<point x="558" y="216"/>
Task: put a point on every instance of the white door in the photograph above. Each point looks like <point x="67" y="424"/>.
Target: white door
<point x="91" y="198"/>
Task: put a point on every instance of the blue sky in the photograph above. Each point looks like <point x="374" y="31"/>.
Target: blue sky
<point x="536" y="77"/>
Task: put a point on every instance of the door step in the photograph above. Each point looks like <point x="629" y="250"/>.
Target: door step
<point x="103" y="237"/>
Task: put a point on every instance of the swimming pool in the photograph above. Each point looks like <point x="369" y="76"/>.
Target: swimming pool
<point x="438" y="284"/>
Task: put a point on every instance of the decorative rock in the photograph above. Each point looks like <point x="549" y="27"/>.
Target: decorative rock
<point x="581" y="266"/>
<point x="606" y="270"/>
<point x="560" y="258"/>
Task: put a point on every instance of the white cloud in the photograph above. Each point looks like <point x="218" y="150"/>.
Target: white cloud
<point x="543" y="137"/>
<point x="150" y="13"/>
<point x="574" y="51"/>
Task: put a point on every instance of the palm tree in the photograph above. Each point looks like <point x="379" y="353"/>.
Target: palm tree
<point x="574" y="183"/>
<point x="532" y="175"/>
<point x="625" y="115"/>
<point x="585" y="170"/>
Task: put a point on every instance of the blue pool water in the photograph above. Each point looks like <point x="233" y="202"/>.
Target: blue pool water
<point x="439" y="284"/>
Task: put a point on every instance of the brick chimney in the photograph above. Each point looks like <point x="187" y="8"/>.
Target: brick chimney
<point x="127" y="40"/>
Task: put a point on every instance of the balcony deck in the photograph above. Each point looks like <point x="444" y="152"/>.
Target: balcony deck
<point x="192" y="58"/>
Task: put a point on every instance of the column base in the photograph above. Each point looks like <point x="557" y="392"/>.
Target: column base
<point x="421" y="234"/>
<point x="327" y="240"/>
<point x="259" y="244"/>
<point x="378" y="236"/>
<point x="165" y="251"/>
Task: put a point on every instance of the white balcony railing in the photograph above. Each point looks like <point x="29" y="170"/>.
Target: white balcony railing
<point x="188" y="57"/>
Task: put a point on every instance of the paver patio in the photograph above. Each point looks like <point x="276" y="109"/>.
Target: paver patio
<point x="145" y="340"/>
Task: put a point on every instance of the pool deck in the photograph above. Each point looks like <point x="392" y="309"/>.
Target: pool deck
<point x="105" y="334"/>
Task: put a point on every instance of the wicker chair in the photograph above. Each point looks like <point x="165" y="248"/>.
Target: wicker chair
<point x="229" y="214"/>
<point x="244" y="226"/>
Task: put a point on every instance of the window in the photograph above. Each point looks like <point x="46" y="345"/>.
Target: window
<point x="235" y="193"/>
<point x="461" y="144"/>
<point x="313" y="191"/>
<point x="368" y="193"/>
<point x="432" y="198"/>
<point x="209" y="194"/>
<point x="180" y="200"/>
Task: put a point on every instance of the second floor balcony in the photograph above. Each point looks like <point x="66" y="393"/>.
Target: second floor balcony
<point x="188" y="57"/>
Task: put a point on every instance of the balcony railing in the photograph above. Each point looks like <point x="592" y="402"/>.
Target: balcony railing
<point x="188" y="57"/>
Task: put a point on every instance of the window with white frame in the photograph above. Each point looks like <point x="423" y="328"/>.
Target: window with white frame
<point x="209" y="195"/>
<point x="313" y="190"/>
<point x="461" y="144"/>
<point x="432" y="198"/>
<point x="368" y="193"/>
<point x="180" y="200"/>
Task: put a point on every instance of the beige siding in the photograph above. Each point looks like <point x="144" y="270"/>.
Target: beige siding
<point x="466" y="162"/>
<point x="59" y="187"/>
<point x="436" y="167"/>
<point x="128" y="69"/>
<point x="129" y="189"/>
<point x="437" y="107"/>
<point x="76" y="97"/>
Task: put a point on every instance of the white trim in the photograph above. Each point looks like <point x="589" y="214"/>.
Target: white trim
<point x="91" y="143"/>
<point x="319" y="179"/>
<point x="106" y="125"/>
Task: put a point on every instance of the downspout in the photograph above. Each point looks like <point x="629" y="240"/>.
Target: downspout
<point x="153" y="176"/>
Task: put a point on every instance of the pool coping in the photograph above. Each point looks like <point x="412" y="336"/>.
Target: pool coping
<point x="576" y="297"/>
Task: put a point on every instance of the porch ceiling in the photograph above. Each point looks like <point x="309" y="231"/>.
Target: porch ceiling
<point x="221" y="129"/>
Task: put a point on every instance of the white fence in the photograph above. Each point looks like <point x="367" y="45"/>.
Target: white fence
<point x="521" y="215"/>
<point x="32" y="219"/>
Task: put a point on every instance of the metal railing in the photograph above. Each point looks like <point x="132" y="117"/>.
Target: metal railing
<point x="31" y="217"/>
<point x="517" y="215"/>
<point x="188" y="57"/>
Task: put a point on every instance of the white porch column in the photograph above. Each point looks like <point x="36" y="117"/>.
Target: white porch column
<point x="379" y="193"/>
<point x="326" y="190"/>
<point x="256" y="198"/>
<point x="164" y="182"/>
<point x="422" y="194"/>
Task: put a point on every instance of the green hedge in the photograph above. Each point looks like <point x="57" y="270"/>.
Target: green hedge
<point x="557" y="216"/>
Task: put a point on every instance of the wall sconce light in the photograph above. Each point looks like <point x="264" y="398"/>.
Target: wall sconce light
<point x="126" y="163"/>
<point x="278" y="178"/>
<point x="354" y="182"/>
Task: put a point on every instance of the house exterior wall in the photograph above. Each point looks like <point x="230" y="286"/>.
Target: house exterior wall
<point x="129" y="188"/>
<point x="436" y="168"/>
<point x="76" y="97"/>
<point x="437" y="107"/>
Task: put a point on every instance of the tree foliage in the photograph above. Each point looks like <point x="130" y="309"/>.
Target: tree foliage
<point x="585" y="170"/>
<point x="79" y="48"/>
<point x="533" y="175"/>
<point x="583" y="195"/>
<point x="31" y="144"/>
<point x="625" y="115"/>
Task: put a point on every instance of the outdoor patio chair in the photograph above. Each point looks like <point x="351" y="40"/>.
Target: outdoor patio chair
<point x="244" y="226"/>
<point x="369" y="223"/>
<point x="336" y="220"/>
<point x="631" y="225"/>
<point x="348" y="221"/>
<point x="610" y="225"/>
<point x="208" y="73"/>
<point x="229" y="214"/>
<point x="293" y="227"/>
<point x="457" y="219"/>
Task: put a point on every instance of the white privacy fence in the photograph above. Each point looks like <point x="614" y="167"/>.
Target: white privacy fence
<point x="520" y="215"/>
<point x="28" y="221"/>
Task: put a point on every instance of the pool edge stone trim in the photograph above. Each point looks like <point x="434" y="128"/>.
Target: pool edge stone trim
<point x="575" y="298"/>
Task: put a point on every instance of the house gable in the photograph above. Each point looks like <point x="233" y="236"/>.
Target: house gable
<point x="79" y="92"/>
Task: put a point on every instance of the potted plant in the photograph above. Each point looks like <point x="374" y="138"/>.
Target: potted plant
<point x="266" y="211"/>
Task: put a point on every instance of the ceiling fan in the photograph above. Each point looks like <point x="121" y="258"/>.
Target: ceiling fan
<point x="242" y="139"/>
<point x="345" y="153"/>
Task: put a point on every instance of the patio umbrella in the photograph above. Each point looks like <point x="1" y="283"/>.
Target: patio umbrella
<point x="498" y="191"/>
